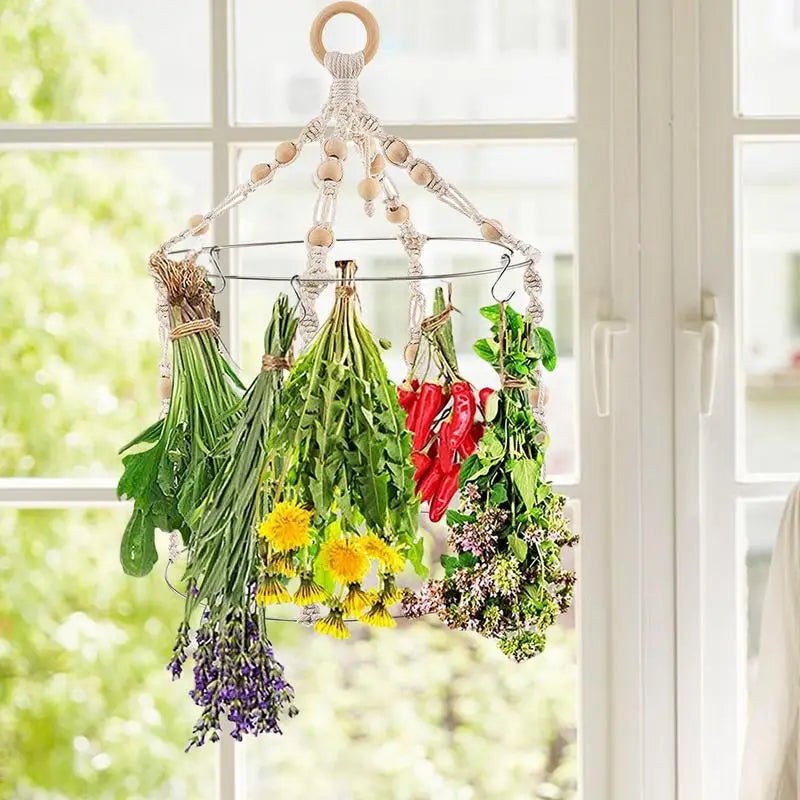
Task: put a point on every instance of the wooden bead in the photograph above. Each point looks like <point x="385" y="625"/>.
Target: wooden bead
<point x="397" y="152"/>
<point x="194" y="221"/>
<point x="410" y="354"/>
<point x="397" y="215"/>
<point x="330" y="170"/>
<point x="165" y="388"/>
<point x="285" y="152"/>
<point x="320" y="237"/>
<point x="336" y="148"/>
<point x="369" y="188"/>
<point x="491" y="230"/>
<point x="421" y="174"/>
<point x="378" y="165"/>
<point x="260" y="172"/>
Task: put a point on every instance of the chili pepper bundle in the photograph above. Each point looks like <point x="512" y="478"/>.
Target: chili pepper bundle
<point x="223" y="561"/>
<point x="348" y="461"/>
<point x="169" y="466"/>
<point x="441" y="416"/>
<point x="503" y="575"/>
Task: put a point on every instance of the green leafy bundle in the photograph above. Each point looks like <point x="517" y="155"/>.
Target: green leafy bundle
<point x="223" y="552"/>
<point x="167" y="468"/>
<point x="343" y="433"/>
<point x="504" y="577"/>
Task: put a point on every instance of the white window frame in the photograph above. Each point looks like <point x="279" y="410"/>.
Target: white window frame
<point x="627" y="541"/>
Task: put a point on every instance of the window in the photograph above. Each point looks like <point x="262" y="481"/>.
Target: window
<point x="120" y="121"/>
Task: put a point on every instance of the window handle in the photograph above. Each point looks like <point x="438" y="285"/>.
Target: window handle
<point x="601" y="334"/>
<point x="707" y="330"/>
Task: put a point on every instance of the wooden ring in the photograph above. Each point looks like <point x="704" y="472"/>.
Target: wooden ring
<point x="345" y="7"/>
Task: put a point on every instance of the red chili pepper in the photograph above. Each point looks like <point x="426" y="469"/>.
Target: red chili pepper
<point x="422" y="462"/>
<point x="484" y="395"/>
<point x="446" y="453"/>
<point x="430" y="483"/>
<point x="431" y="401"/>
<point x="444" y="494"/>
<point x="462" y="416"/>
<point x="415" y="384"/>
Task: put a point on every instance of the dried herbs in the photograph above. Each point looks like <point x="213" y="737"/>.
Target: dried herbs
<point x="169" y="466"/>
<point x="503" y="576"/>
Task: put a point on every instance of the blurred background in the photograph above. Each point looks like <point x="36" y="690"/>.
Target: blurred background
<point x="87" y="709"/>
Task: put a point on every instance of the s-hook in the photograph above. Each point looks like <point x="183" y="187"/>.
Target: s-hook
<point x="506" y="260"/>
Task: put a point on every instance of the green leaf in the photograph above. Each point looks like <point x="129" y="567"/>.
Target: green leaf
<point x="492" y="313"/>
<point x="518" y="547"/>
<point x="490" y="447"/>
<point x="498" y="495"/>
<point x="546" y="347"/>
<point x="467" y="559"/>
<point x="487" y="350"/>
<point x="457" y="518"/>
<point x="415" y="554"/>
<point x="385" y="344"/>
<point x="138" y="552"/>
<point x="525" y="475"/>
<point x="450" y="564"/>
<point x="492" y="407"/>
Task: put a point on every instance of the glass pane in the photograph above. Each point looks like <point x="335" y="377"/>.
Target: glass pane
<point x="92" y="61"/>
<point x="770" y="304"/>
<point x="769" y="57"/>
<point x="422" y="712"/>
<point x="77" y="318"/>
<point x="88" y="708"/>
<point x="530" y="187"/>
<point x="448" y="60"/>
<point x="761" y="520"/>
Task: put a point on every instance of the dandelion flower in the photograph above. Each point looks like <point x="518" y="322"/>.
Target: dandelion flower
<point x="356" y="600"/>
<point x="272" y="591"/>
<point x="309" y="591"/>
<point x="345" y="560"/>
<point x="287" y="526"/>
<point x="283" y="564"/>
<point x="333" y="625"/>
<point x="389" y="593"/>
<point x="378" y="616"/>
<point x="381" y="551"/>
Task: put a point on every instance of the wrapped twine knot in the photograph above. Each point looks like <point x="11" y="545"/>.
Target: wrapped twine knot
<point x="345" y="291"/>
<point x="270" y="363"/>
<point x="507" y="382"/>
<point x="194" y="326"/>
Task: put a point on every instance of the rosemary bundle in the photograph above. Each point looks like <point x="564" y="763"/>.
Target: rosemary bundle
<point x="169" y="466"/>
<point x="348" y="462"/>
<point x="223" y="553"/>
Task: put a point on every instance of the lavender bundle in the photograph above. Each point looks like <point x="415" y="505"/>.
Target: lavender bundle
<point x="236" y="676"/>
<point x="167" y="479"/>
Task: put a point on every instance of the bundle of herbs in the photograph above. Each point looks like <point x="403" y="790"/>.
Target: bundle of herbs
<point x="504" y="576"/>
<point x="348" y="470"/>
<point x="223" y="559"/>
<point x="169" y="466"/>
<point x="440" y="412"/>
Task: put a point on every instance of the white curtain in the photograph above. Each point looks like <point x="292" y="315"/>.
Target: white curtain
<point x="770" y="765"/>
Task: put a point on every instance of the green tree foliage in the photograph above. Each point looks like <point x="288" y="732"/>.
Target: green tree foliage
<point x="87" y="709"/>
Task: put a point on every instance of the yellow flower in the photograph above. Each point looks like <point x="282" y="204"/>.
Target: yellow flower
<point x="272" y="591"/>
<point x="378" y="616"/>
<point x="376" y="548"/>
<point x="283" y="564"/>
<point x="345" y="560"/>
<point x="287" y="526"/>
<point x="356" y="600"/>
<point x="389" y="593"/>
<point x="308" y="592"/>
<point x="333" y="625"/>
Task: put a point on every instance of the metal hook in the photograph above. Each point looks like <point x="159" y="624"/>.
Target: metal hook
<point x="506" y="260"/>
<point x="213" y="253"/>
<point x="295" y="280"/>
